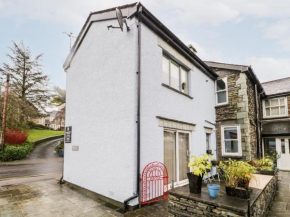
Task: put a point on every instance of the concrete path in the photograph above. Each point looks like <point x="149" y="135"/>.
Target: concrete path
<point x="281" y="206"/>
<point x="49" y="199"/>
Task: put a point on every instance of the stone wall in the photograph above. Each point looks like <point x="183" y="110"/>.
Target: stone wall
<point x="241" y="110"/>
<point x="183" y="206"/>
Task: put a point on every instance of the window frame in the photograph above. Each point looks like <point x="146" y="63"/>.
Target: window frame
<point x="224" y="153"/>
<point x="225" y="79"/>
<point x="275" y="116"/>
<point x="178" y="182"/>
<point x="180" y="67"/>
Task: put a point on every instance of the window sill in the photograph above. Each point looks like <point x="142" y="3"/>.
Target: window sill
<point x="217" y="106"/>
<point x="177" y="91"/>
<point x="232" y="156"/>
<point x="276" y="117"/>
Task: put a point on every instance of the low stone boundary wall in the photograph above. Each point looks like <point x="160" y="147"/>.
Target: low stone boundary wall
<point x="48" y="139"/>
<point x="183" y="203"/>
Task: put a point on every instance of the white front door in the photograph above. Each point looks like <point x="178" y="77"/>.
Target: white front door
<point x="283" y="149"/>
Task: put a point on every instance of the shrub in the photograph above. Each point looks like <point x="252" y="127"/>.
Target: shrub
<point x="33" y="125"/>
<point x="16" y="152"/>
<point x="15" y="137"/>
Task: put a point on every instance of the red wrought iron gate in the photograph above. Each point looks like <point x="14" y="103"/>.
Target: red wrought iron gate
<point x="154" y="182"/>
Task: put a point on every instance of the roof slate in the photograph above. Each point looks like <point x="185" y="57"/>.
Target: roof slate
<point x="277" y="86"/>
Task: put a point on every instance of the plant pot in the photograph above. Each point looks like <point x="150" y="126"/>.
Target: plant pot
<point x="238" y="192"/>
<point x="195" y="183"/>
<point x="209" y="151"/>
<point x="215" y="163"/>
<point x="213" y="190"/>
<point x="60" y="154"/>
<point x="265" y="172"/>
<point x="244" y="184"/>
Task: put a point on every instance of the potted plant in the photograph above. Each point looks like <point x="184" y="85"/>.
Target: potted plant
<point x="199" y="166"/>
<point x="265" y="166"/>
<point x="59" y="149"/>
<point x="237" y="175"/>
<point x="275" y="156"/>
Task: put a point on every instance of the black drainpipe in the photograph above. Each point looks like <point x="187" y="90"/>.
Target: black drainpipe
<point x="138" y="113"/>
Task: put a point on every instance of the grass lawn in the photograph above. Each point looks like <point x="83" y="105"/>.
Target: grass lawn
<point x="40" y="134"/>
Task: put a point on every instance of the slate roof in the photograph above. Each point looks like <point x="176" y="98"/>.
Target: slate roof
<point x="275" y="87"/>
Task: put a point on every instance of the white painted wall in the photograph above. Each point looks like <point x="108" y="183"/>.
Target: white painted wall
<point x="157" y="100"/>
<point x="101" y="108"/>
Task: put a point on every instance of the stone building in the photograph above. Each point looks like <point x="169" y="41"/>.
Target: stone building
<point x="238" y="93"/>
<point x="275" y="114"/>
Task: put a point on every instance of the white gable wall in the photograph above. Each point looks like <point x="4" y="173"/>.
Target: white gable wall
<point x="101" y="108"/>
<point x="157" y="100"/>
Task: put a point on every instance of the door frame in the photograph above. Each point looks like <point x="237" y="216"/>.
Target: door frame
<point x="278" y="142"/>
<point x="179" y="182"/>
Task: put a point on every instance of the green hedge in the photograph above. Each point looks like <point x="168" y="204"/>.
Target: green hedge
<point x="16" y="152"/>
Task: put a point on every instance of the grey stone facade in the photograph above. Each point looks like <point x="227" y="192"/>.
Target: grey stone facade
<point x="241" y="109"/>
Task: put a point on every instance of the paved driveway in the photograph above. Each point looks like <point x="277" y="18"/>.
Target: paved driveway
<point x="42" y="161"/>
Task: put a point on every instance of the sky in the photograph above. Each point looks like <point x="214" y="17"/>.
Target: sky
<point x="247" y="32"/>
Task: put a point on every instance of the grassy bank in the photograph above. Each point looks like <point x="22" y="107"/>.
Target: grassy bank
<point x="41" y="134"/>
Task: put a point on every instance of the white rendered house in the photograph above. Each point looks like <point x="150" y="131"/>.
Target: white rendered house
<point x="134" y="97"/>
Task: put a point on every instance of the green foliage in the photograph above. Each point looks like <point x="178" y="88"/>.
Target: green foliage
<point x="237" y="171"/>
<point x="199" y="165"/>
<point x="274" y="156"/>
<point x="16" y="152"/>
<point x="36" y="134"/>
<point x="33" y="125"/>
<point x="59" y="147"/>
<point x="58" y="97"/>
<point x="265" y="163"/>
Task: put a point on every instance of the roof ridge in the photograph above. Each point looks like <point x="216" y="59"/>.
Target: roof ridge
<point x="227" y="63"/>
<point x="275" y="80"/>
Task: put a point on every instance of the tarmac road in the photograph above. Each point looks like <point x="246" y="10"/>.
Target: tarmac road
<point x="42" y="160"/>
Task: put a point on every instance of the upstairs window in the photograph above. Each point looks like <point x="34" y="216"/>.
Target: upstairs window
<point x="174" y="75"/>
<point x="221" y="89"/>
<point x="276" y="107"/>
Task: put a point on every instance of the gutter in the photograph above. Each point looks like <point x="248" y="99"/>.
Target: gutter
<point x="138" y="113"/>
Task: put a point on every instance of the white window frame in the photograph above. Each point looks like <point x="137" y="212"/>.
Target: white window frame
<point x="225" y="79"/>
<point x="224" y="153"/>
<point x="179" y="67"/>
<point x="275" y="116"/>
<point x="185" y="181"/>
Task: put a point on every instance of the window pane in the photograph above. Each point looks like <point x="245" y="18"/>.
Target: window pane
<point x="283" y="146"/>
<point x="267" y="103"/>
<point x="231" y="146"/>
<point x="269" y="146"/>
<point x="275" y="111"/>
<point x="174" y="69"/>
<point x="282" y="110"/>
<point x="169" y="155"/>
<point x="274" y="102"/>
<point x="268" y="112"/>
<point x="231" y="133"/>
<point x="183" y="142"/>
<point x="282" y="102"/>
<point x="222" y="97"/>
<point x="165" y="69"/>
<point x="184" y="81"/>
<point x="207" y="141"/>
<point x="221" y="85"/>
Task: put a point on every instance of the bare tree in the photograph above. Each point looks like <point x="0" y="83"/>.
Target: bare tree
<point x="59" y="96"/>
<point x="27" y="79"/>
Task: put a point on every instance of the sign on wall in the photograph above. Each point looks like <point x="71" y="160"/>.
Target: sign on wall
<point x="68" y="134"/>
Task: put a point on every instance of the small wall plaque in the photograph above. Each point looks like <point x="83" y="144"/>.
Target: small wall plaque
<point x="68" y="134"/>
<point x="75" y="148"/>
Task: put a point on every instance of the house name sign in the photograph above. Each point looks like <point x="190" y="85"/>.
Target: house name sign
<point x="68" y="134"/>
